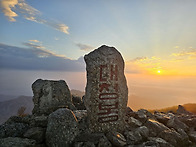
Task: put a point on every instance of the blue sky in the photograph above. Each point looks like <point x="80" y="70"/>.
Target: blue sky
<point x="48" y="39"/>
<point x="136" y="28"/>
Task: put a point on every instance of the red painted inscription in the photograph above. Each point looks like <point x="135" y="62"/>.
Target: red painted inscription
<point x="108" y="106"/>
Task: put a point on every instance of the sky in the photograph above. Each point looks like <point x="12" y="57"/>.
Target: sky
<point x="48" y="39"/>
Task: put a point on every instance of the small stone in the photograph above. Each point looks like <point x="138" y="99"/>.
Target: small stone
<point x="161" y="142"/>
<point x="39" y="121"/>
<point x="80" y="114"/>
<point x="184" y="136"/>
<point x="161" y="117"/>
<point x="88" y="144"/>
<point x="78" y="103"/>
<point x="192" y="136"/>
<point x="104" y="142"/>
<point x="78" y="144"/>
<point x="141" y="116"/>
<point x="129" y="111"/>
<point x="89" y="137"/>
<point x="62" y="128"/>
<point x="189" y="120"/>
<point x="146" y="112"/>
<point x="133" y="137"/>
<point x="143" y="131"/>
<point x="150" y="144"/>
<point x="133" y="123"/>
<point x="116" y="139"/>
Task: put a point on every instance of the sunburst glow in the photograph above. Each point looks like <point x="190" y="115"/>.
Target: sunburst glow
<point x="158" y="71"/>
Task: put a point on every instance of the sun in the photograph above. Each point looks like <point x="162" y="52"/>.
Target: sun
<point x="158" y="71"/>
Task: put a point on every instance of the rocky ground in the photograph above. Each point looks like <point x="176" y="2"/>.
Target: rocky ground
<point x="67" y="126"/>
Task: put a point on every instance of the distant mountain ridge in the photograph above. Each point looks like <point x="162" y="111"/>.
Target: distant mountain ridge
<point x="9" y="104"/>
<point x="191" y="107"/>
<point x="77" y="92"/>
<point x="10" y="107"/>
<point x="4" y="97"/>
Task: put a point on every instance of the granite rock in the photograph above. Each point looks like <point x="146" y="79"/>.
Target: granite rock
<point x="116" y="138"/>
<point x="50" y="95"/>
<point x="36" y="133"/>
<point x="62" y="128"/>
<point x="17" y="142"/>
<point x="106" y="90"/>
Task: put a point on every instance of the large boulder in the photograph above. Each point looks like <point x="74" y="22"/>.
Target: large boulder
<point x="137" y="136"/>
<point x="62" y="128"/>
<point x="13" y="129"/>
<point x="155" y="127"/>
<point x="189" y="120"/>
<point x="81" y="116"/>
<point x="171" y="136"/>
<point x="50" y="95"/>
<point x="192" y="136"/>
<point x="182" y="110"/>
<point x="106" y="90"/>
<point x="17" y="142"/>
<point x="36" y="133"/>
<point x="162" y="117"/>
<point x="175" y="123"/>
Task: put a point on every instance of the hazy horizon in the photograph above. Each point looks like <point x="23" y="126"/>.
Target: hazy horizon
<point x="149" y="92"/>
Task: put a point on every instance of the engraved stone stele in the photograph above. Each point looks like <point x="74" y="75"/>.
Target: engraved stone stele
<point x="106" y="90"/>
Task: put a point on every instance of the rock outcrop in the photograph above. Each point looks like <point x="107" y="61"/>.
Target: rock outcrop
<point x="50" y="95"/>
<point x="59" y="125"/>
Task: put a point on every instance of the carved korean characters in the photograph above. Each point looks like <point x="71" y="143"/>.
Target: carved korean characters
<point x="106" y="90"/>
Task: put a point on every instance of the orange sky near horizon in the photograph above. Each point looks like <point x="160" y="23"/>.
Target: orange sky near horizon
<point x="181" y="63"/>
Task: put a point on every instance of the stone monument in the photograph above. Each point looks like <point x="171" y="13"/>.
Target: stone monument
<point x="50" y="95"/>
<point x="106" y="90"/>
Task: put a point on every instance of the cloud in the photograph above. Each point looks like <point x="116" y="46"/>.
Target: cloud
<point x="13" y="8"/>
<point x="177" y="47"/>
<point x="189" y="53"/>
<point x="56" y="38"/>
<point x="84" y="47"/>
<point x="31" y="45"/>
<point x="58" y="26"/>
<point x="6" y="6"/>
<point x="35" y="58"/>
<point x="37" y="41"/>
<point x="143" y="65"/>
<point x="139" y="59"/>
